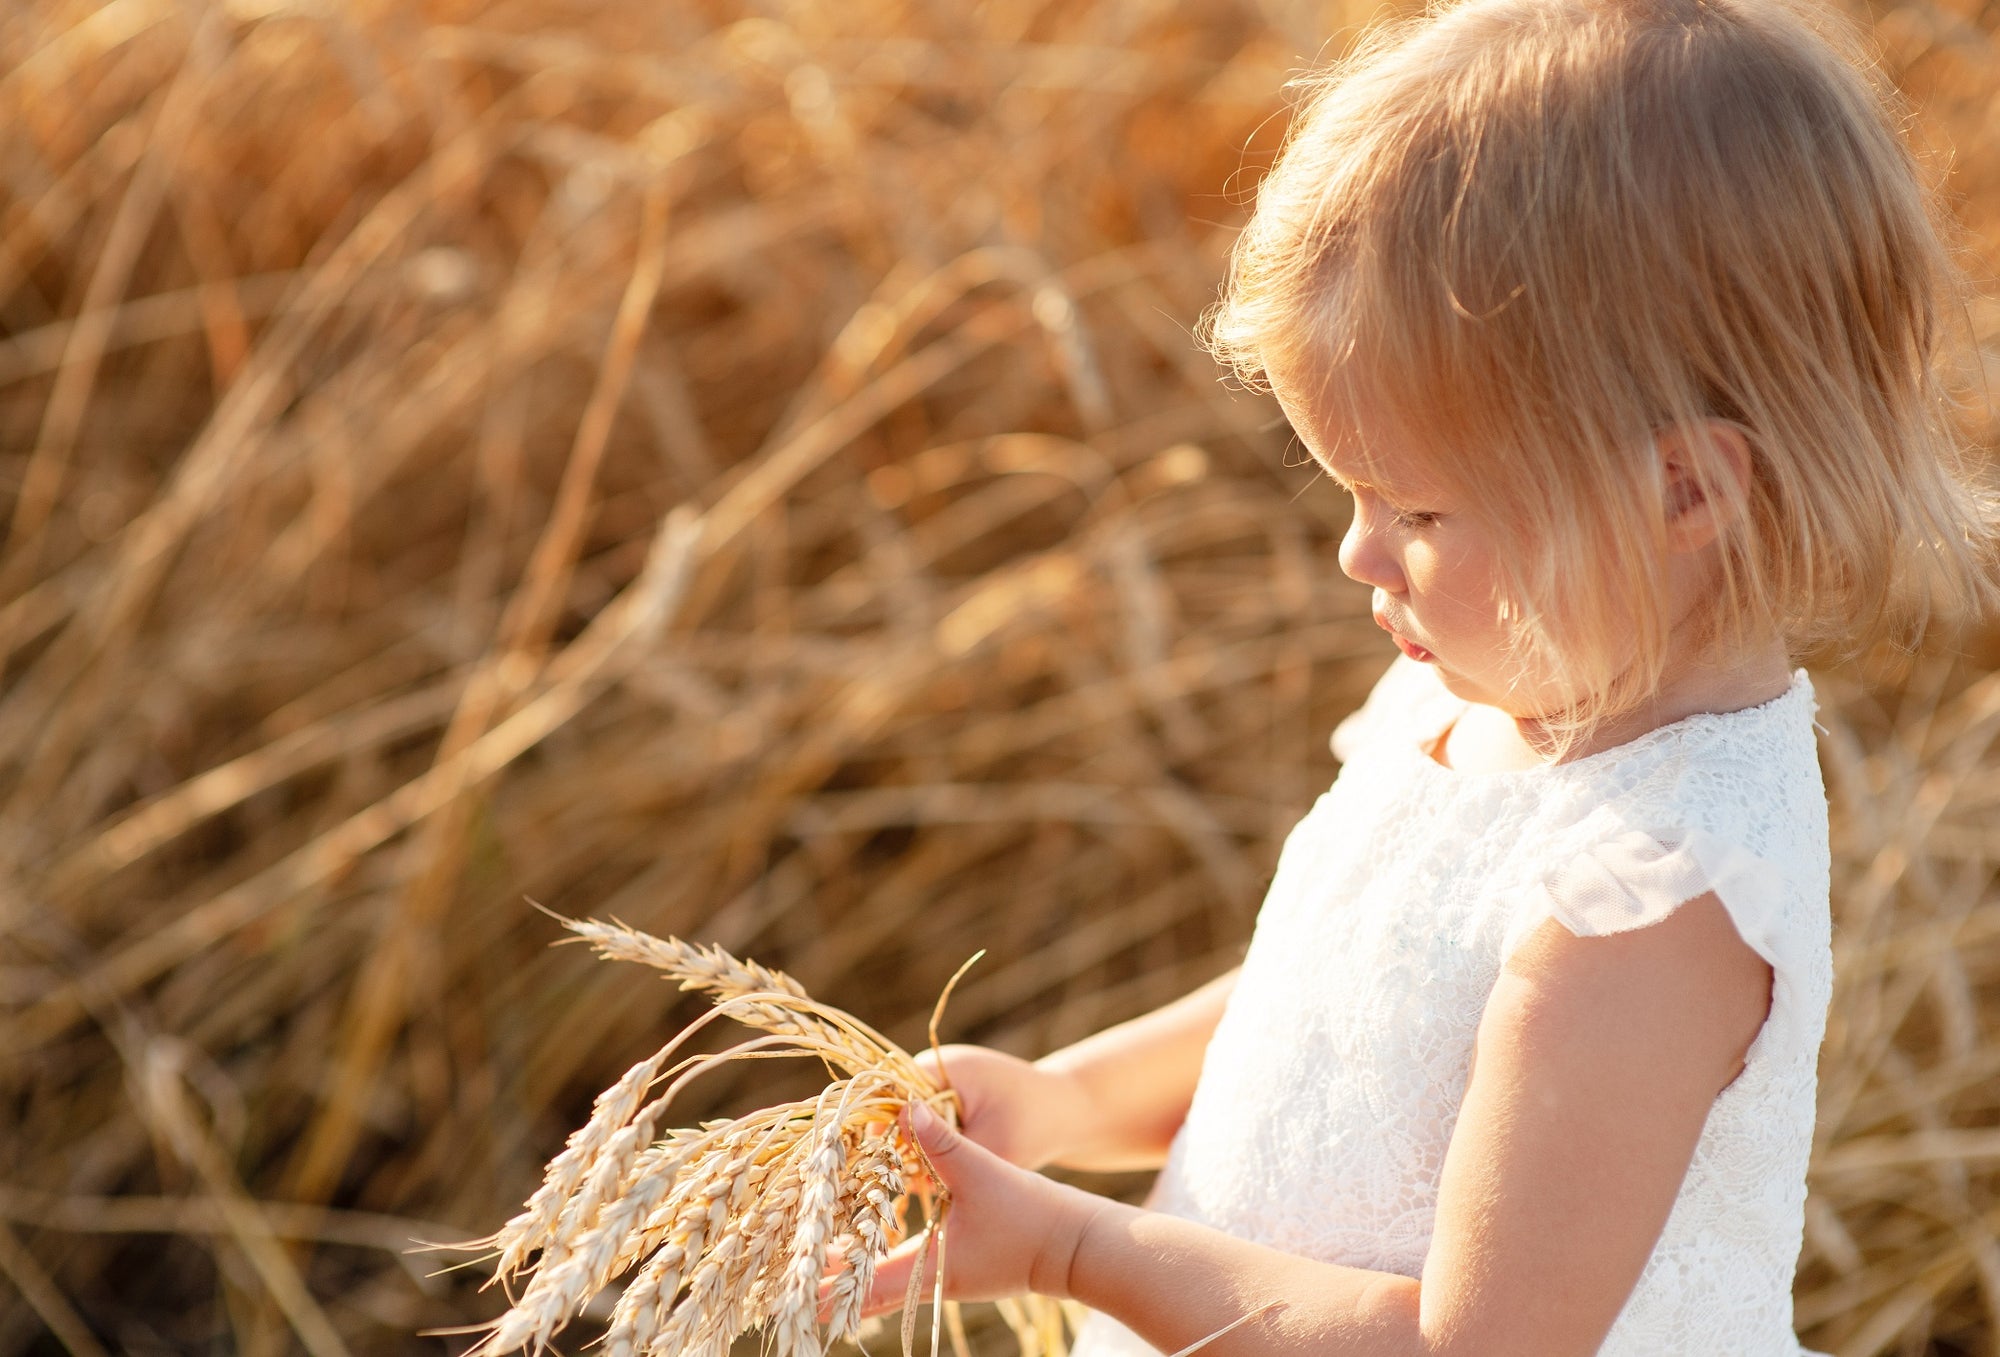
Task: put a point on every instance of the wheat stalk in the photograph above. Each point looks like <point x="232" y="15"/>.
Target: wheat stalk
<point x="759" y="997"/>
<point x="734" y="1224"/>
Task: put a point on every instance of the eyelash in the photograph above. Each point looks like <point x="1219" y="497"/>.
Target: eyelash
<point x="1407" y="519"/>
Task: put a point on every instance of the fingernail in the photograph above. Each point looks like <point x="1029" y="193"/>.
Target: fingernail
<point x="923" y="1121"/>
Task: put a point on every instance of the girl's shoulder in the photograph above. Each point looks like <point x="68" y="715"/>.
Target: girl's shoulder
<point x="1750" y="777"/>
<point x="1407" y="702"/>
<point x="1730" y="802"/>
<point x="1724" y="804"/>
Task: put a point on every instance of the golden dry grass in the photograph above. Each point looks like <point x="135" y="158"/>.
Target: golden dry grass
<point x="743" y="469"/>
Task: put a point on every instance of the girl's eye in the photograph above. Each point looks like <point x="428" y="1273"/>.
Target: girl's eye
<point x="1413" y="518"/>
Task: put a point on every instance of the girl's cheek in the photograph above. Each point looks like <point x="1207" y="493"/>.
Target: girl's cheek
<point x="1458" y="572"/>
<point x="1424" y="569"/>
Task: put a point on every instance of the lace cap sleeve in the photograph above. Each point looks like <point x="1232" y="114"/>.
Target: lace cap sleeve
<point x="1633" y="878"/>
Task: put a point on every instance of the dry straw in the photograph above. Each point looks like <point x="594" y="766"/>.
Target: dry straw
<point x="354" y="362"/>
<point x="696" y="461"/>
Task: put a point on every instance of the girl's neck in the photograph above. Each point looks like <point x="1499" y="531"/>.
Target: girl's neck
<point x="1486" y="739"/>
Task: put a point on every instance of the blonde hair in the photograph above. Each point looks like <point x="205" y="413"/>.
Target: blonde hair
<point x="1542" y="233"/>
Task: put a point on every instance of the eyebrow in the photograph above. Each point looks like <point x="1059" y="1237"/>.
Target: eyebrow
<point x="1352" y="485"/>
<point x="1401" y="494"/>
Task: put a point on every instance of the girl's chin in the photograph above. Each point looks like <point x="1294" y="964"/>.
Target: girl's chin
<point x="1471" y="690"/>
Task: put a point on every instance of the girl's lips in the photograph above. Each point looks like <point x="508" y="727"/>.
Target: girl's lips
<point x="1410" y="648"/>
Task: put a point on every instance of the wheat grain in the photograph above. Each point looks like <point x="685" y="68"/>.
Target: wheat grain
<point x="754" y="995"/>
<point x="868" y="1206"/>
<point x="695" y="966"/>
<point x="798" y="1300"/>
<point x="850" y="1287"/>
<point x="679" y="1162"/>
<point x="612" y="1109"/>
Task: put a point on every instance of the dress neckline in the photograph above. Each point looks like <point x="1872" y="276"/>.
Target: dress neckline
<point x="1449" y="707"/>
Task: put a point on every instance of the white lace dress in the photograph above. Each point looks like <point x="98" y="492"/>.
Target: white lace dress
<point x="1330" y="1089"/>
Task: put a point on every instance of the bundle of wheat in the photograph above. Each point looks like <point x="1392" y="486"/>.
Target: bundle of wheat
<point x="735" y="1224"/>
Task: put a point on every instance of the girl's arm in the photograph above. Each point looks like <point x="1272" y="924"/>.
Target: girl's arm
<point x="1596" y="1065"/>
<point x="1111" y="1101"/>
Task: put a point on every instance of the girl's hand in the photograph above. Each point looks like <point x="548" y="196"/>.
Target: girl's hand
<point x="1022" y="1112"/>
<point x="1108" y="1103"/>
<point x="1007" y="1231"/>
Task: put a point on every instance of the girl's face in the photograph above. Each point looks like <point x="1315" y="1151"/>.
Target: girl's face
<point x="1436" y="563"/>
<point x="1434" y="566"/>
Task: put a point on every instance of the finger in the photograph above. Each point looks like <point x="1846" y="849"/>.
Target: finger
<point x="938" y="1137"/>
<point x="918" y="1176"/>
<point x="940" y="1147"/>
<point x="937" y="1066"/>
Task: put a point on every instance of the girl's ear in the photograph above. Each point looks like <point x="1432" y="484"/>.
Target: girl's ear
<point x="1705" y="476"/>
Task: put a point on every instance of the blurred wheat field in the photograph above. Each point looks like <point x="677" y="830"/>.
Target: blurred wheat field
<point x="742" y="468"/>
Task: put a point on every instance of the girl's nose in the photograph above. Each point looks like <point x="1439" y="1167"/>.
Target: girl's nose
<point x="1365" y="558"/>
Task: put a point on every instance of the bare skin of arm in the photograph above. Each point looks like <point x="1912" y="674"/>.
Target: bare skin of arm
<point x="1596" y="1064"/>
<point x="1109" y="1102"/>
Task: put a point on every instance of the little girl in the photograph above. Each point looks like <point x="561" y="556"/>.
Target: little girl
<point x="1618" y="321"/>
